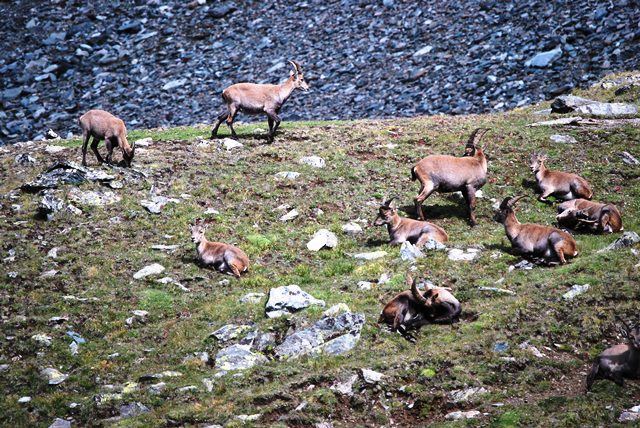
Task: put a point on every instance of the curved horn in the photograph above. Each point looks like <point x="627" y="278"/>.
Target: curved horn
<point x="626" y="326"/>
<point x="388" y="202"/>
<point x="414" y="290"/>
<point x="513" y="201"/>
<point x="295" y="65"/>
<point x="476" y="136"/>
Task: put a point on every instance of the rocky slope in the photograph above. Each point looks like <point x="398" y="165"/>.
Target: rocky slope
<point x="164" y="63"/>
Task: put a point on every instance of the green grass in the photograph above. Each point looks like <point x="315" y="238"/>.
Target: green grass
<point x="97" y="258"/>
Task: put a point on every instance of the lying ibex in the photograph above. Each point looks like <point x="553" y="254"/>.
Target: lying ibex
<point x="411" y="309"/>
<point x="451" y="174"/>
<point x="102" y="125"/>
<point x="252" y="98"/>
<point x="592" y="216"/>
<point x="562" y="185"/>
<point x="619" y="361"/>
<point x="553" y="245"/>
<point x="406" y="229"/>
<point x="224" y="257"/>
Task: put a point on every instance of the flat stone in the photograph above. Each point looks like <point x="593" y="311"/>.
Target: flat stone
<point x="289" y="299"/>
<point x="42" y="339"/>
<point x="364" y="285"/>
<point x="152" y="269"/>
<point x="322" y="238"/>
<point x="463" y="255"/>
<point x="53" y="376"/>
<point x="463" y="395"/>
<point x="60" y="423"/>
<point x="572" y="103"/>
<point x="230" y="144"/>
<point x="133" y="409"/>
<point x="174" y="84"/>
<point x="238" y="357"/>
<point x="497" y="290"/>
<point x="543" y="59"/>
<point x="252" y="298"/>
<point x="314" y="161"/>
<point x="575" y="290"/>
<point x="230" y="331"/>
<point x="433" y="245"/>
<point x="337" y="309"/>
<point x="351" y="228"/>
<point x="371" y="376"/>
<point x="563" y="139"/>
<point x="345" y="387"/>
<point x="290" y="215"/>
<point x="528" y="347"/>
<point x="24" y="400"/>
<point x="370" y="256"/>
<point x="563" y="121"/>
<point x="459" y="415"/>
<point x="289" y="175"/>
<point x="92" y="198"/>
<point x="409" y="252"/>
<point x="627" y="239"/>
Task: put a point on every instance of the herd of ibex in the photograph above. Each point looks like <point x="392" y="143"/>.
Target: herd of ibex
<point x="436" y="173"/>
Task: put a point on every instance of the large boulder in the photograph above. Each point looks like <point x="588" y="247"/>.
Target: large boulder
<point x="571" y="104"/>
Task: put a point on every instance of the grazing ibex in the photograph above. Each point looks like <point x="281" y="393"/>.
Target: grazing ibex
<point x="102" y="125"/>
<point x="592" y="216"/>
<point x="253" y="98"/>
<point x="619" y="361"/>
<point x="224" y="257"/>
<point x="553" y="245"/>
<point x="444" y="173"/>
<point x="406" y="229"/>
<point x="562" y="185"/>
<point x="411" y="309"/>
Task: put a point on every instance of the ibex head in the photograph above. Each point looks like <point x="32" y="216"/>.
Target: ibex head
<point x="537" y="160"/>
<point x="386" y="212"/>
<point x="474" y="142"/>
<point x="506" y="207"/>
<point x="632" y="334"/>
<point x="297" y="77"/>
<point x="127" y="154"/>
<point x="197" y="231"/>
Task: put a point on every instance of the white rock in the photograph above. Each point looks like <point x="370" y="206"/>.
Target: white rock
<point x="337" y="309"/>
<point x="463" y="255"/>
<point x="471" y="414"/>
<point x="42" y="339"/>
<point x="575" y="291"/>
<point x="230" y="143"/>
<point x="409" y="252"/>
<point x="346" y="387"/>
<point x="289" y="175"/>
<point x="370" y="256"/>
<point x="53" y="376"/>
<point x="144" y="142"/>
<point x="543" y="59"/>
<point x="211" y="211"/>
<point x="322" y="238"/>
<point x="371" y="376"/>
<point x="314" y="161"/>
<point x="290" y="215"/>
<point x="54" y="149"/>
<point x="53" y="253"/>
<point x="425" y="50"/>
<point x="351" y="228"/>
<point x="252" y="298"/>
<point x="384" y="278"/>
<point x="563" y="139"/>
<point x="23" y="400"/>
<point x="174" y="84"/>
<point x="364" y="285"/>
<point x="153" y="269"/>
<point x="535" y="351"/>
<point x="462" y="395"/>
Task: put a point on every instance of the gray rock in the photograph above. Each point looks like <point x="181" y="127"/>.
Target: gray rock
<point x="290" y="215"/>
<point x="459" y="415"/>
<point x="130" y="27"/>
<point x="157" y="388"/>
<point x="93" y="198"/>
<point x="152" y="269"/>
<point x="222" y="10"/>
<point x="370" y="256"/>
<point x="409" y="252"/>
<point x="264" y="342"/>
<point x="629" y="159"/>
<point x="289" y="175"/>
<point x="543" y="59"/>
<point x="371" y="376"/>
<point x="49" y="205"/>
<point x="522" y="265"/>
<point x="557" y="122"/>
<point x="563" y="139"/>
<point x="53" y="376"/>
<point x="364" y="285"/>
<point x="24" y="400"/>
<point x="323" y="333"/>
<point x="24" y="159"/>
<point x="463" y="255"/>
<point x="633" y="414"/>
<point x="60" y="423"/>
<point x="230" y="331"/>
<point x="351" y="228"/>
<point x="627" y="239"/>
<point x="252" y="298"/>
<point x="289" y="299"/>
<point x="42" y="339"/>
<point x="464" y="395"/>
<point x="314" y="161"/>
<point x="345" y="387"/>
<point x="575" y="290"/>
<point x="571" y="103"/>
<point x="230" y="144"/>
<point x="433" y="245"/>
<point x="174" y="84"/>
<point x="132" y="410"/>
<point x="238" y="357"/>
<point x="322" y="238"/>
<point x="497" y="290"/>
<point x="11" y="93"/>
<point x="528" y="347"/>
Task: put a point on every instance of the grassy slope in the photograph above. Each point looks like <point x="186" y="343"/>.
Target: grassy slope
<point x="97" y="259"/>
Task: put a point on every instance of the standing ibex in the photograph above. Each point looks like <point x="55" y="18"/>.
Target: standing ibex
<point x="451" y="174"/>
<point x="562" y="185"/>
<point x="592" y="216"/>
<point x="252" y="98"/>
<point x="619" y="361"/>
<point x="554" y="245"/>
<point x="406" y="229"/>
<point x="411" y="309"/>
<point x="224" y="257"/>
<point x="102" y="125"/>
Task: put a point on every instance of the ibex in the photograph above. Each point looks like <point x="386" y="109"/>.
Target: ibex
<point x="553" y="245"/>
<point x="592" y="216"/>
<point x="102" y="125"/>
<point x="451" y="174"/>
<point x="619" y="361"/>
<point x="224" y="258"/>
<point x="406" y="229"/>
<point x="411" y="309"/>
<point x="252" y="98"/>
<point x="562" y="185"/>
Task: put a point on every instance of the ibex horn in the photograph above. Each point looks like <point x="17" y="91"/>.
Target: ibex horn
<point x="414" y="290"/>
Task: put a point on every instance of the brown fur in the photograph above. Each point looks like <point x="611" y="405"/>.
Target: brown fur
<point x="406" y="229"/>
<point x="451" y="174"/>
<point x="253" y="98"/>
<point x="619" y="361"/>
<point x="562" y="185"/>
<point x="225" y="258"/>
<point x="553" y="245"/>
<point x="102" y="125"/>
<point x="592" y="216"/>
